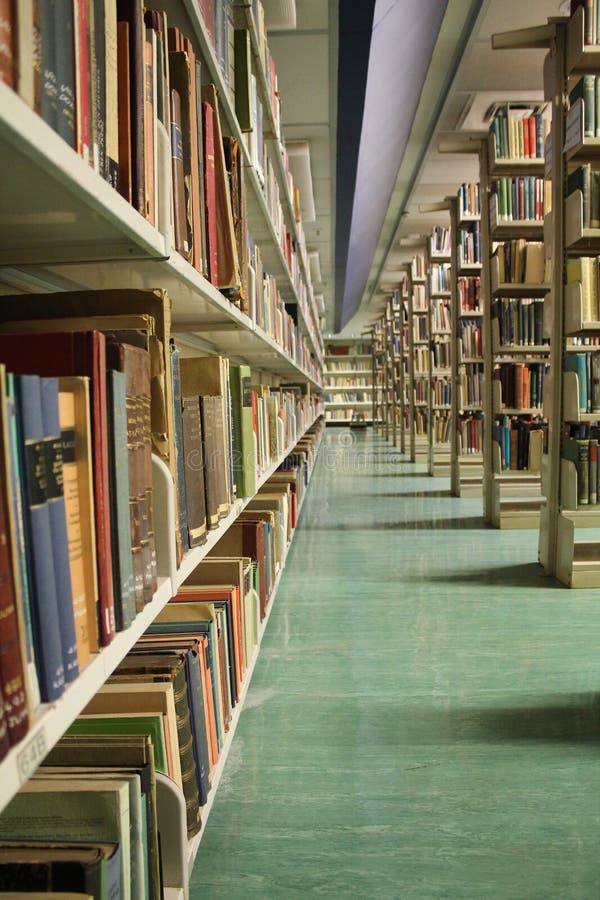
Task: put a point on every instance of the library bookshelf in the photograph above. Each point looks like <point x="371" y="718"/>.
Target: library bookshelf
<point x="348" y="382"/>
<point x="418" y="311"/>
<point x="65" y="228"/>
<point x="512" y="480"/>
<point x="440" y="333"/>
<point x="467" y="344"/>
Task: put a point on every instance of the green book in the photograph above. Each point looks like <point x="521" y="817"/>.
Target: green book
<point x="243" y="71"/>
<point x="70" y="809"/>
<point x="577" y="451"/>
<point x="244" y="462"/>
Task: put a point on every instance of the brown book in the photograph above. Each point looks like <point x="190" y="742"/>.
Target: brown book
<point x="519" y="398"/>
<point x="514" y="449"/>
<point x="210" y="193"/>
<point x="14" y="721"/>
<point x="75" y="427"/>
<point x="179" y="206"/>
<point x="193" y="470"/>
<point x="246" y="539"/>
<point x="228" y="270"/>
<point x="134" y="362"/>
<point x="124" y="111"/>
<point x="149" y="125"/>
<point x="131" y="12"/>
<point x="8" y="35"/>
<point x="233" y="162"/>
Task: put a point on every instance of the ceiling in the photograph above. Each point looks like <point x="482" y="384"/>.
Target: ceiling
<point x="408" y="70"/>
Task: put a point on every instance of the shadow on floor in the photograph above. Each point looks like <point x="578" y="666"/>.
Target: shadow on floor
<point x="412" y="525"/>
<point x="527" y="575"/>
<point x="575" y="721"/>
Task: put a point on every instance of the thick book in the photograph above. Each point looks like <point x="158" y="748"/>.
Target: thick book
<point x="210" y="192"/>
<point x="40" y="559"/>
<point x="183" y="543"/>
<point x="577" y="451"/>
<point x="235" y="173"/>
<point x="171" y="668"/>
<point x="90" y="867"/>
<point x="49" y="81"/>
<point x="58" y="522"/>
<point x="13" y="678"/>
<point x="113" y="753"/>
<point x="193" y="456"/>
<point x="78" y="353"/>
<point x="243" y="84"/>
<point x="73" y="810"/>
<point x="127" y="556"/>
<point x="134" y="363"/>
<point x="182" y="72"/>
<point x="75" y="429"/>
<point x="245" y="538"/>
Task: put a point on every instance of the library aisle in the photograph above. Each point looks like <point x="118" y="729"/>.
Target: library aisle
<point x="424" y="717"/>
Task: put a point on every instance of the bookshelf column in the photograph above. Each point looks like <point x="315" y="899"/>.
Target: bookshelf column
<point x="440" y="383"/>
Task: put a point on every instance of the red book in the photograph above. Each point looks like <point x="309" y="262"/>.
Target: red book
<point x="532" y="136"/>
<point x="526" y="144"/>
<point x="210" y="191"/>
<point x="12" y="656"/>
<point x="82" y="110"/>
<point x="77" y="353"/>
<point x="8" y="32"/>
<point x="207" y="12"/>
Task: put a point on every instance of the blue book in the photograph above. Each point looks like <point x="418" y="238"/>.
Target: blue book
<point x="58" y="524"/>
<point x="38" y="538"/>
<point x="577" y="362"/>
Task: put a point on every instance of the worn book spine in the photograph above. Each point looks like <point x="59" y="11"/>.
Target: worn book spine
<point x="124" y="112"/>
<point x="98" y="87"/>
<point x="47" y="637"/>
<point x="181" y="491"/>
<point x="179" y="217"/>
<point x="210" y="197"/>
<point x="131" y="11"/>
<point x="193" y="453"/>
<point x="65" y="70"/>
<point x="58" y="523"/>
<point x="124" y="554"/>
<point x="210" y="452"/>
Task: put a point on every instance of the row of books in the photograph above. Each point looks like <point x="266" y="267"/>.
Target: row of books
<point x="440" y="241"/>
<point x="441" y="392"/>
<point x="469" y="200"/>
<point x="469" y="245"/>
<point x="586" y="180"/>
<point x="420" y="300"/>
<point x="522" y="384"/>
<point x="420" y="422"/>
<point x="441" y="427"/>
<point x="340" y="415"/>
<point x="470" y="385"/>
<point x="420" y="390"/>
<point x="347" y="397"/>
<point x="420" y="328"/>
<point x="591" y="19"/>
<point x="586" y="271"/>
<point x="122" y="393"/>
<point x="518" y="321"/>
<point x="440" y="354"/>
<point x="583" y="453"/>
<point x="470" y="431"/>
<point x="521" y="442"/>
<point x="440" y="315"/>
<point x="470" y="338"/>
<point x="421" y="360"/>
<point x="518" y="198"/>
<point x="519" y="130"/>
<point x="349" y="381"/>
<point x="469" y="293"/>
<point x="520" y="262"/>
<point x="587" y="368"/>
<point x="587" y="89"/>
<point x="160" y="720"/>
<point x="418" y="268"/>
<point x="439" y="278"/>
<point x="353" y="348"/>
<point x="133" y="103"/>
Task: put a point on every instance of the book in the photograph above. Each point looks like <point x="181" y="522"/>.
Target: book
<point x="84" y="866"/>
<point x="243" y="430"/>
<point x="577" y="362"/>
<point x="193" y="457"/>
<point x="210" y="192"/>
<point x="116" y="752"/>
<point x="578" y="452"/>
<point x="243" y="71"/>
<point x="134" y="363"/>
<point x="78" y="353"/>
<point x="130" y="12"/>
<point x="179" y="218"/>
<point x="132" y="724"/>
<point x="74" y="418"/>
<point x="67" y="810"/>
<point x="125" y="557"/>
<point x="124" y="172"/>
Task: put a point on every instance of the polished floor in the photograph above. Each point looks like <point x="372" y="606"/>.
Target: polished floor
<point x="424" y="718"/>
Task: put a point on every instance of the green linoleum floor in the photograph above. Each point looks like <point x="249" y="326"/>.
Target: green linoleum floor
<point x="424" y="718"/>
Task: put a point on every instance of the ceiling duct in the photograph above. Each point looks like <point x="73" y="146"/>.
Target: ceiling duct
<point x="280" y="15"/>
<point x="299" y="161"/>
